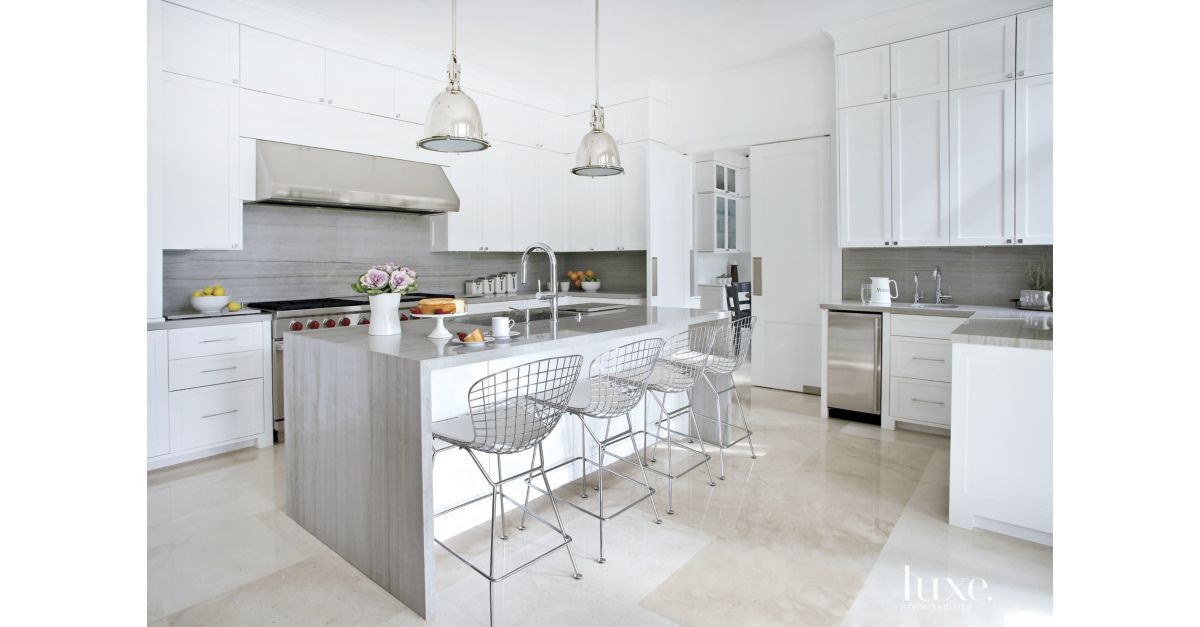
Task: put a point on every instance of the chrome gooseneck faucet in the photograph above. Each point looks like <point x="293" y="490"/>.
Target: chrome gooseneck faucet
<point x="937" y="294"/>
<point x="553" y="295"/>
<point x="916" y="289"/>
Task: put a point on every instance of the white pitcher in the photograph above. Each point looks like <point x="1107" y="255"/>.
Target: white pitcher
<point x="881" y="290"/>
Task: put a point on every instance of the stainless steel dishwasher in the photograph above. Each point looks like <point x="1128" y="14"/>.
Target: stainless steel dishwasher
<point x="855" y="365"/>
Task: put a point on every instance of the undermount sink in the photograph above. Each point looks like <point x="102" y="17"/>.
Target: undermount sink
<point x="924" y="306"/>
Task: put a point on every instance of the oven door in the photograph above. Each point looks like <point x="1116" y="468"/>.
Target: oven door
<point x="277" y="387"/>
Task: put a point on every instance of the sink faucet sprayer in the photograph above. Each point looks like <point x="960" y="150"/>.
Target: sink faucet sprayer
<point x="937" y="294"/>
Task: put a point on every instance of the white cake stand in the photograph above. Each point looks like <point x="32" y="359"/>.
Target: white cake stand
<point x="439" y="330"/>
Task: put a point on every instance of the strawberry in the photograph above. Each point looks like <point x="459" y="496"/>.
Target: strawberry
<point x="462" y="336"/>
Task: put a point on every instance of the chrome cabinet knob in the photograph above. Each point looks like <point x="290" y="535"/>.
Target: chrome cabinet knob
<point x="320" y="100"/>
<point x="1008" y="241"/>
<point x="235" y="81"/>
<point x="1009" y="75"/>
<point x="1021" y="73"/>
<point x="894" y="243"/>
<point x="893" y="95"/>
<point x="886" y="243"/>
<point x="1020" y="240"/>
<point x="885" y="96"/>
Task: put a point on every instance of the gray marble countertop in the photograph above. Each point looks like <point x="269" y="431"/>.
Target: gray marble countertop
<point x="413" y="345"/>
<point x="984" y="324"/>
<point x="529" y="296"/>
<point x="209" y="320"/>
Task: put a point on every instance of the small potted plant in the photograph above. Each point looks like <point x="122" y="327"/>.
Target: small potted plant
<point x="384" y="284"/>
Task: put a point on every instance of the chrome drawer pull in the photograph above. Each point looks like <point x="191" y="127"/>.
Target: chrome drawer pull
<point x="219" y="369"/>
<point x="224" y="339"/>
<point x="232" y="411"/>
<point x="929" y="359"/>
<point x="921" y="400"/>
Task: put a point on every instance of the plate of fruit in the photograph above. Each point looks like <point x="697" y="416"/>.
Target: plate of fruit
<point x="474" y="338"/>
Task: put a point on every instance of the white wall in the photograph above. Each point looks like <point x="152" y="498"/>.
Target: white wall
<point x="778" y="99"/>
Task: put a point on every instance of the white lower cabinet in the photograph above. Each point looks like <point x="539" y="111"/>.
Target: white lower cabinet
<point x="918" y="374"/>
<point x="209" y="389"/>
<point x="216" y="414"/>
<point x="926" y="402"/>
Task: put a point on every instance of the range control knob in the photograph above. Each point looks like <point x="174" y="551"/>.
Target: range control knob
<point x="313" y="324"/>
<point x="364" y="320"/>
<point x="344" y="322"/>
<point x="297" y="326"/>
<point x="330" y="323"/>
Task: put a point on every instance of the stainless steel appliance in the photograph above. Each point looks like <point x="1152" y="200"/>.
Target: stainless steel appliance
<point x="855" y="365"/>
<point x="312" y="315"/>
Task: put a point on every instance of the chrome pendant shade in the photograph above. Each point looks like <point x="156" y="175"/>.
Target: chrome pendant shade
<point x="597" y="154"/>
<point x="452" y="123"/>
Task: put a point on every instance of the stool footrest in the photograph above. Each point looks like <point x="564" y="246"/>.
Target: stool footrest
<point x="706" y="457"/>
<point x="649" y="489"/>
<point x="745" y="433"/>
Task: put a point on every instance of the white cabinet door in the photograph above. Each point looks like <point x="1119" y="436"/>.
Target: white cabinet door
<point x="414" y="95"/>
<point x="158" y="417"/>
<point x="983" y="53"/>
<point x="863" y="77"/>
<point x="792" y="229"/>
<point x="359" y="85"/>
<point x="464" y="229"/>
<point x="496" y="218"/>
<point x="526" y="198"/>
<point x="282" y="66"/>
<point x="864" y="176"/>
<point x="606" y="217"/>
<point x="199" y="45"/>
<point x="551" y="127"/>
<point x="582" y="200"/>
<point x="497" y="114"/>
<point x="667" y="217"/>
<point x="921" y="171"/>
<point x="201" y="207"/>
<point x="1035" y="160"/>
<point x="982" y="155"/>
<point x="632" y="222"/>
<point x="525" y="123"/>
<point x="552" y="179"/>
<point x="920" y="66"/>
<point x="1035" y="42"/>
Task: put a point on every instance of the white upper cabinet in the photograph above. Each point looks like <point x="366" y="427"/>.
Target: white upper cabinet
<point x="606" y="220"/>
<point x="632" y="221"/>
<point x="921" y="171"/>
<point x="863" y="77"/>
<point x="200" y="173"/>
<point x="864" y="176"/>
<point x="982" y="154"/>
<point x="582" y="215"/>
<point x="552" y="216"/>
<point x="920" y="66"/>
<point x="983" y="53"/>
<point x="1035" y="160"/>
<point x="278" y="65"/>
<point x="414" y="95"/>
<point x="497" y="215"/>
<point x="1035" y="42"/>
<point x="526" y="197"/>
<point x="199" y="45"/>
<point x="359" y="85"/>
<point x="551" y="132"/>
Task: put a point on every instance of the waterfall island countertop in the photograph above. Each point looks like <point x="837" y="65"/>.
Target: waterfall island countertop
<point x="359" y="413"/>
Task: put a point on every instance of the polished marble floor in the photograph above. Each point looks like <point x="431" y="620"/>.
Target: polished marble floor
<point x="834" y="523"/>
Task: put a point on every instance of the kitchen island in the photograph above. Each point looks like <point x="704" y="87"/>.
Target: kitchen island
<point x="360" y="408"/>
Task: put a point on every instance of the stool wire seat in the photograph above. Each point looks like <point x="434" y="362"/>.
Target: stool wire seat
<point x="728" y="354"/>
<point x="616" y="384"/>
<point x="511" y="411"/>
<point x="680" y="366"/>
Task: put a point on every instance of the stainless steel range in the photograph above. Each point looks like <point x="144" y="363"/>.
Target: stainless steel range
<point x="309" y="316"/>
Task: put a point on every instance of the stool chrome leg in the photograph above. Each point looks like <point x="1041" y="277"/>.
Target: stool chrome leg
<point x="503" y="524"/>
<point x="600" y="488"/>
<point x="720" y="426"/>
<point x="642" y="466"/>
<point x="742" y="411"/>
<point x="582" y="459"/>
<point x="492" y="563"/>
<point x="557" y="516"/>
<point x="703" y="451"/>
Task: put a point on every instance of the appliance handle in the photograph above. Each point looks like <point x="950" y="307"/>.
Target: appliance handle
<point x="756" y="275"/>
<point x="279" y="345"/>
<point x="654" y="276"/>
<point x="878" y="362"/>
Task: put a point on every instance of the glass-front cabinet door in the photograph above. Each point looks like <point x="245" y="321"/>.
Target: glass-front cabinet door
<point x="731" y="222"/>
<point x="731" y="182"/>
<point x="720" y="222"/>
<point x="719" y="173"/>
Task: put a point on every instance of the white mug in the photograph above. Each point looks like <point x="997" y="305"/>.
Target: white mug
<point x="502" y="326"/>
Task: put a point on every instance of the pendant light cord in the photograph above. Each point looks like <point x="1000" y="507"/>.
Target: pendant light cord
<point x="597" y="39"/>
<point x="454" y="29"/>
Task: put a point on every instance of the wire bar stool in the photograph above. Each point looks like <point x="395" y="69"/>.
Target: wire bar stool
<point x="511" y="411"/>
<point x="616" y="384"/>
<point x="680" y="366"/>
<point x="728" y="354"/>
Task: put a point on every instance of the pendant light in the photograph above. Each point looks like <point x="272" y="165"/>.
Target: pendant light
<point x="597" y="154"/>
<point x="453" y="123"/>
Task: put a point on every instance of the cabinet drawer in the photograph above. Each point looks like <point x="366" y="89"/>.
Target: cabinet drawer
<point x="926" y="401"/>
<point x="933" y="327"/>
<point x="921" y="358"/>
<point x="214" y="414"/>
<point x="199" y="371"/>
<point x="217" y="340"/>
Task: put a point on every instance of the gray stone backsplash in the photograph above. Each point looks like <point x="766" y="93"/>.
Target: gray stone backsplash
<point x="973" y="275"/>
<point x="306" y="252"/>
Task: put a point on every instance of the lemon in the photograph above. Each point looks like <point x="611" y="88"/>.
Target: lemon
<point x="218" y="291"/>
<point x="235" y="306"/>
<point x="208" y="291"/>
<point x="198" y="293"/>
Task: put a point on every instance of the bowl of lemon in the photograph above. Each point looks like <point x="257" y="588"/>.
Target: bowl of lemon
<point x="212" y="299"/>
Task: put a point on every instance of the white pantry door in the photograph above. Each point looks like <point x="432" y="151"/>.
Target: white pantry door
<point x="793" y="235"/>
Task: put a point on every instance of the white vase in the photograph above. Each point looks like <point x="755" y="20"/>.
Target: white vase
<point x="385" y="314"/>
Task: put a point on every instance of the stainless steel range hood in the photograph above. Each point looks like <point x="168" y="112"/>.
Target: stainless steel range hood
<point x="303" y="175"/>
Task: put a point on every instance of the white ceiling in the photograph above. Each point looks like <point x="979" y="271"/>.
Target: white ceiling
<point x="547" y="44"/>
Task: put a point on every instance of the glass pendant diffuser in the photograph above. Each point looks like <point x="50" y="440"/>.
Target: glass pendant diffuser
<point x="597" y="155"/>
<point x="452" y="123"/>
